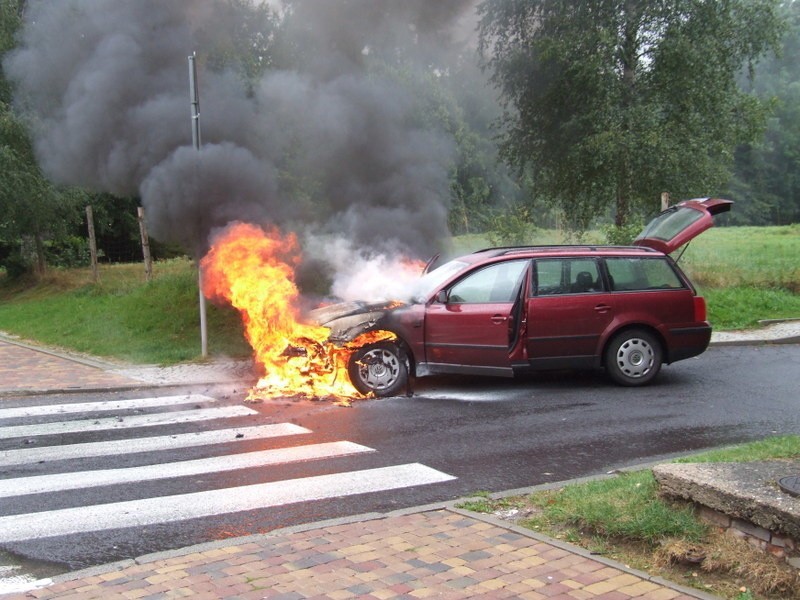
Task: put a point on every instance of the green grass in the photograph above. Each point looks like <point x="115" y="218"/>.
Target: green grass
<point x="627" y="507"/>
<point x="122" y="316"/>
<point x="785" y="446"/>
<point x="745" y="257"/>
<point x="743" y="307"/>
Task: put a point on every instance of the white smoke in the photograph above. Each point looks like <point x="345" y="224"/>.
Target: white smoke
<point x="363" y="274"/>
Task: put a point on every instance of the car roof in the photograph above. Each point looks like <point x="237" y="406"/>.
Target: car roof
<point x="564" y="250"/>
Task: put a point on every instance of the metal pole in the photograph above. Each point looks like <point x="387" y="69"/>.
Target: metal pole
<point x="195" y="102"/>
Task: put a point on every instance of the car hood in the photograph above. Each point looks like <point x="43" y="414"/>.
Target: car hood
<point x="348" y="320"/>
<point x="680" y="224"/>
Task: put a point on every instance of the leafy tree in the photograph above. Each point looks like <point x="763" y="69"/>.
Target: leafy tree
<point x="31" y="209"/>
<point x="611" y="102"/>
<point x="767" y="174"/>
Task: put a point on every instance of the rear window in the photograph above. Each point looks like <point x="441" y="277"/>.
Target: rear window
<point x="670" y="223"/>
<point x="626" y="274"/>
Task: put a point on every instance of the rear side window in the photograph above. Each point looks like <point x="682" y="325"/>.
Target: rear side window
<point x="626" y="274"/>
<point x="567" y="276"/>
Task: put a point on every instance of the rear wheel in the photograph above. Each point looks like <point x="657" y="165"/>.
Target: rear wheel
<point x="379" y="369"/>
<point x="633" y="357"/>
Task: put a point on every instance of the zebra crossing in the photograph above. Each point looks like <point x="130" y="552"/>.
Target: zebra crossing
<point x="50" y="453"/>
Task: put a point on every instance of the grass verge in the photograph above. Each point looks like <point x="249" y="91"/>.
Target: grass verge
<point x="624" y="518"/>
<point x="122" y="316"/>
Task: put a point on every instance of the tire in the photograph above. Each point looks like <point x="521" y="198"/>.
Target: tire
<point x="633" y="358"/>
<point x="379" y="369"/>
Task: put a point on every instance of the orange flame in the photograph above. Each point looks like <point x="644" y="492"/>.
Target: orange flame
<point x="253" y="270"/>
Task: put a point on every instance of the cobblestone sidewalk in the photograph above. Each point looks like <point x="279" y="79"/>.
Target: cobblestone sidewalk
<point x="429" y="554"/>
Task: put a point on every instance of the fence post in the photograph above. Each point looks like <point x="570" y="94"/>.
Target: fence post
<point x="92" y="241"/>
<point x="148" y="261"/>
<point x="664" y="201"/>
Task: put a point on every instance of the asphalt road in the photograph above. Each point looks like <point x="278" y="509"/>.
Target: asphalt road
<point x="465" y="435"/>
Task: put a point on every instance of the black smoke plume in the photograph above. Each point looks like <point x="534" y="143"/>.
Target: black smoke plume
<point x="105" y="83"/>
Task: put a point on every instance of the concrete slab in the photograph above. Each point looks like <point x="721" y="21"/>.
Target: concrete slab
<point x="746" y="491"/>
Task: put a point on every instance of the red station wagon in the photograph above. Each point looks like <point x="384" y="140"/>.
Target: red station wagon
<point x="502" y="311"/>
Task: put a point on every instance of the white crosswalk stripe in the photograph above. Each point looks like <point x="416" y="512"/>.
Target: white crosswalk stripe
<point x="218" y="453"/>
<point x="25" y="456"/>
<point x="130" y="422"/>
<point x="84" y="479"/>
<point x="93" y="407"/>
<point x="180" y="507"/>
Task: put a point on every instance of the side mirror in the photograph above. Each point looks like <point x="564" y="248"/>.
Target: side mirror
<point x="441" y="297"/>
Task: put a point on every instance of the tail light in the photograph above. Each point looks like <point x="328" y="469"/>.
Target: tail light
<point x="699" y="308"/>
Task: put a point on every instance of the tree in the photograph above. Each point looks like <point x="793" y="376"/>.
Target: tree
<point x="767" y="173"/>
<point x="31" y="208"/>
<point x="608" y="103"/>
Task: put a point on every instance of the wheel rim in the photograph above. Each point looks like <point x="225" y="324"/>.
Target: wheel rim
<point x="635" y="357"/>
<point x="379" y="368"/>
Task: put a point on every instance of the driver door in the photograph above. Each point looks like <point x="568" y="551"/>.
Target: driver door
<point x="473" y="329"/>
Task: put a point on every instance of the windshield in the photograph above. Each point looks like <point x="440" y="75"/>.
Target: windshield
<point x="430" y="282"/>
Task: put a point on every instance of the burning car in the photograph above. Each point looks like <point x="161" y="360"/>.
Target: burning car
<point x="502" y="311"/>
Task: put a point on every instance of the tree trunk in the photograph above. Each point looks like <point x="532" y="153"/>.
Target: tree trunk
<point x="628" y="56"/>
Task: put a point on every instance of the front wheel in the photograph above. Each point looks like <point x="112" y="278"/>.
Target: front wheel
<point x="379" y="369"/>
<point x="633" y="357"/>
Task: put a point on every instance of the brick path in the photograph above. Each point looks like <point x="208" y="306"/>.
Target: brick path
<point x="25" y="369"/>
<point x="431" y="554"/>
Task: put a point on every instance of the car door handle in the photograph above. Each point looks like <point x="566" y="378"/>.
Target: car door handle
<point x="602" y="308"/>
<point x="497" y="319"/>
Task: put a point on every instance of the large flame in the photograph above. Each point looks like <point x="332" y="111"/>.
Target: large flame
<point x="253" y="270"/>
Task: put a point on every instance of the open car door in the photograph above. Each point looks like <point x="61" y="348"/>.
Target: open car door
<point x="681" y="223"/>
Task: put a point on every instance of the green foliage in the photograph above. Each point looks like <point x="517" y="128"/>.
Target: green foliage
<point x="766" y="184"/>
<point x="29" y="204"/>
<point x="622" y="235"/>
<point x="611" y="103"/>
<point x="511" y="227"/>
<point x="250" y="50"/>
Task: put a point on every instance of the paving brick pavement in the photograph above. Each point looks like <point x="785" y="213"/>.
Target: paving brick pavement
<point x="24" y="368"/>
<point x="435" y="553"/>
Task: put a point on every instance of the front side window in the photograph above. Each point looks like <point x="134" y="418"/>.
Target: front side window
<point x="626" y="274"/>
<point x="495" y="283"/>
<point x="567" y="276"/>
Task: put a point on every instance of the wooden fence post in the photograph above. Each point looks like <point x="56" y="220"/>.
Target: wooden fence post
<point x="664" y="201"/>
<point x="148" y="261"/>
<point x="92" y="242"/>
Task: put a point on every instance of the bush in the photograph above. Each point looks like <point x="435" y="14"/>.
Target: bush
<point x="16" y="265"/>
<point x="622" y="235"/>
<point x="511" y="228"/>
